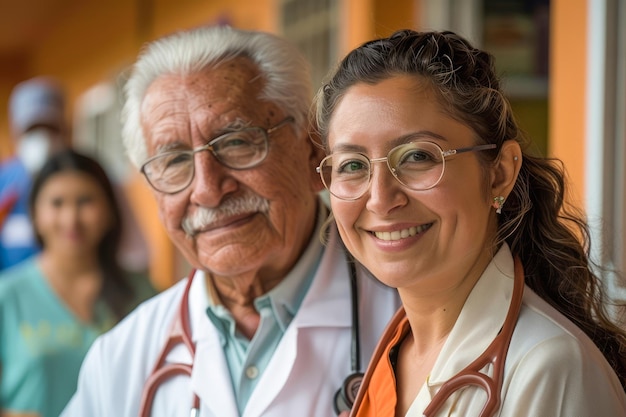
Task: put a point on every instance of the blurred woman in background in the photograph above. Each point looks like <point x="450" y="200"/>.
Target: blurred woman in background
<point x="53" y="305"/>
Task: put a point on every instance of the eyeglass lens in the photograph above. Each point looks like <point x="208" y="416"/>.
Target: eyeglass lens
<point x="417" y="165"/>
<point x="173" y="171"/>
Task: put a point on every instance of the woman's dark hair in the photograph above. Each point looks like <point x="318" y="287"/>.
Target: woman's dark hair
<point x="116" y="290"/>
<point x="550" y="237"/>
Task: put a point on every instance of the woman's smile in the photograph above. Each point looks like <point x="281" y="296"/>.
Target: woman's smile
<point x="401" y="234"/>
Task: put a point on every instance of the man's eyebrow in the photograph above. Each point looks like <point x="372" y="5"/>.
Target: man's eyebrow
<point x="233" y="126"/>
<point x="178" y="145"/>
<point x="171" y="146"/>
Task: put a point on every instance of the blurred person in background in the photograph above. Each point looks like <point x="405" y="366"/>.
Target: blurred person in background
<point x="271" y="322"/>
<point x="37" y="125"/>
<point x="53" y="305"/>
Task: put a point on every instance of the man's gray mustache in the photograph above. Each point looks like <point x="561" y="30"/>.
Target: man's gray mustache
<point x="204" y="217"/>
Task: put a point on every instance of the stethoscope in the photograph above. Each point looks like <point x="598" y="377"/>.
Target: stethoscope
<point x="180" y="332"/>
<point x="495" y="354"/>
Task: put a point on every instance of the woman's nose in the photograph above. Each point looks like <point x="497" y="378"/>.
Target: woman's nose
<point x="385" y="191"/>
<point x="69" y="214"/>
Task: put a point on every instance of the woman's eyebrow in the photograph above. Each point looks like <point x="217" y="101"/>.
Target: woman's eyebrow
<point x="409" y="137"/>
<point x="419" y="135"/>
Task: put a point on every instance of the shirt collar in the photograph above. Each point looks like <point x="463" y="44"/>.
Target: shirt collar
<point x="475" y="330"/>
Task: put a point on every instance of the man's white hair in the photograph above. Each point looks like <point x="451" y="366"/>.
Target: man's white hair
<point x="284" y="69"/>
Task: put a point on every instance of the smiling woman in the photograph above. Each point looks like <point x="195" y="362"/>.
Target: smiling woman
<point x="53" y="306"/>
<point x="499" y="294"/>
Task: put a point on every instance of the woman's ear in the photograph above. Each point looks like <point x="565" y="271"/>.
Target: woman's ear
<point x="506" y="168"/>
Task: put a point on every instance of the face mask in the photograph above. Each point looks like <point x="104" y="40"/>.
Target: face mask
<point x="34" y="147"/>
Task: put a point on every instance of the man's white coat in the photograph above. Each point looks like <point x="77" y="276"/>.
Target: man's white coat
<point x="308" y="367"/>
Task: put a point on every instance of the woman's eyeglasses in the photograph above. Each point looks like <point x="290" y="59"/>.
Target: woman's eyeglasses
<point x="416" y="165"/>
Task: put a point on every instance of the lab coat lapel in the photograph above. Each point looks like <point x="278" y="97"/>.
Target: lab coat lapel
<point x="474" y="331"/>
<point x="210" y="377"/>
<point x="323" y="307"/>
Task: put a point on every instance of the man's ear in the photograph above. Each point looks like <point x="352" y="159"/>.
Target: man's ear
<point x="506" y="169"/>
<point x="317" y="154"/>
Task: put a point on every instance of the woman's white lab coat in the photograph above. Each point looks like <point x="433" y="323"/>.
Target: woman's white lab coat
<point x="308" y="367"/>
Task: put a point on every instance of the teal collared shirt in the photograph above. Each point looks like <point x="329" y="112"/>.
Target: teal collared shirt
<point x="248" y="359"/>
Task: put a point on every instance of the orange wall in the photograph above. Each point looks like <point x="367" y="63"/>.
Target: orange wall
<point x="389" y="19"/>
<point x="358" y="27"/>
<point x="363" y="20"/>
<point x="568" y="46"/>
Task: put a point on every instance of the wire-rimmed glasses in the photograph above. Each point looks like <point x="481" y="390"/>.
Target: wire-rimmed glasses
<point x="416" y="165"/>
<point x="172" y="171"/>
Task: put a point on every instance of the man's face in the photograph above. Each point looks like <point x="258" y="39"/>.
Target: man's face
<point x="255" y="221"/>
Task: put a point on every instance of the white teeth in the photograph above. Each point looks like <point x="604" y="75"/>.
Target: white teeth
<point x="400" y="234"/>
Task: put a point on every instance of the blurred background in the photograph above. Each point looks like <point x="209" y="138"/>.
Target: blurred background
<point x="563" y="63"/>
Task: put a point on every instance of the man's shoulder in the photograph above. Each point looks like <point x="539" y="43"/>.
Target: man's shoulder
<point x="146" y="323"/>
<point x="119" y="361"/>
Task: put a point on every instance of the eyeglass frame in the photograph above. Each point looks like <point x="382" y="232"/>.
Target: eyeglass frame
<point x="444" y="155"/>
<point x="210" y="147"/>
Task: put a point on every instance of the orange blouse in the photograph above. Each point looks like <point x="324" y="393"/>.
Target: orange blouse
<point x="378" y="397"/>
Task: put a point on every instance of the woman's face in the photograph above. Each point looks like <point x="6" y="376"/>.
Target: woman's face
<point x="72" y="213"/>
<point x="434" y="238"/>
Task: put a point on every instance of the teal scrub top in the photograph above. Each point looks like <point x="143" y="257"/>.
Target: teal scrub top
<point x="42" y="344"/>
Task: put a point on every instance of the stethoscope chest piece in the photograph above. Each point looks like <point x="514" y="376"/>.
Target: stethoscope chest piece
<point x="346" y="395"/>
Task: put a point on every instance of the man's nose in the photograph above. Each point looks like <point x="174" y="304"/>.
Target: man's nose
<point x="211" y="181"/>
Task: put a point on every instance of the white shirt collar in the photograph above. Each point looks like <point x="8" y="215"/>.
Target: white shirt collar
<point x="475" y="330"/>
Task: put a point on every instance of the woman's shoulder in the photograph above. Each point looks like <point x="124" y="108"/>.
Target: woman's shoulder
<point x="19" y="276"/>
<point x="545" y="321"/>
<point x="551" y="358"/>
<point x="545" y="337"/>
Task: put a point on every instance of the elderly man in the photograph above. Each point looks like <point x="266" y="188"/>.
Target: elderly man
<point x="264" y="326"/>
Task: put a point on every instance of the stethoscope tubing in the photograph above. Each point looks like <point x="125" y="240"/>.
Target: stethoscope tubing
<point x="180" y="332"/>
<point x="495" y="353"/>
<point x="355" y="356"/>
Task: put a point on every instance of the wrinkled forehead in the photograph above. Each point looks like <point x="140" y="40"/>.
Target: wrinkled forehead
<point x="236" y="82"/>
